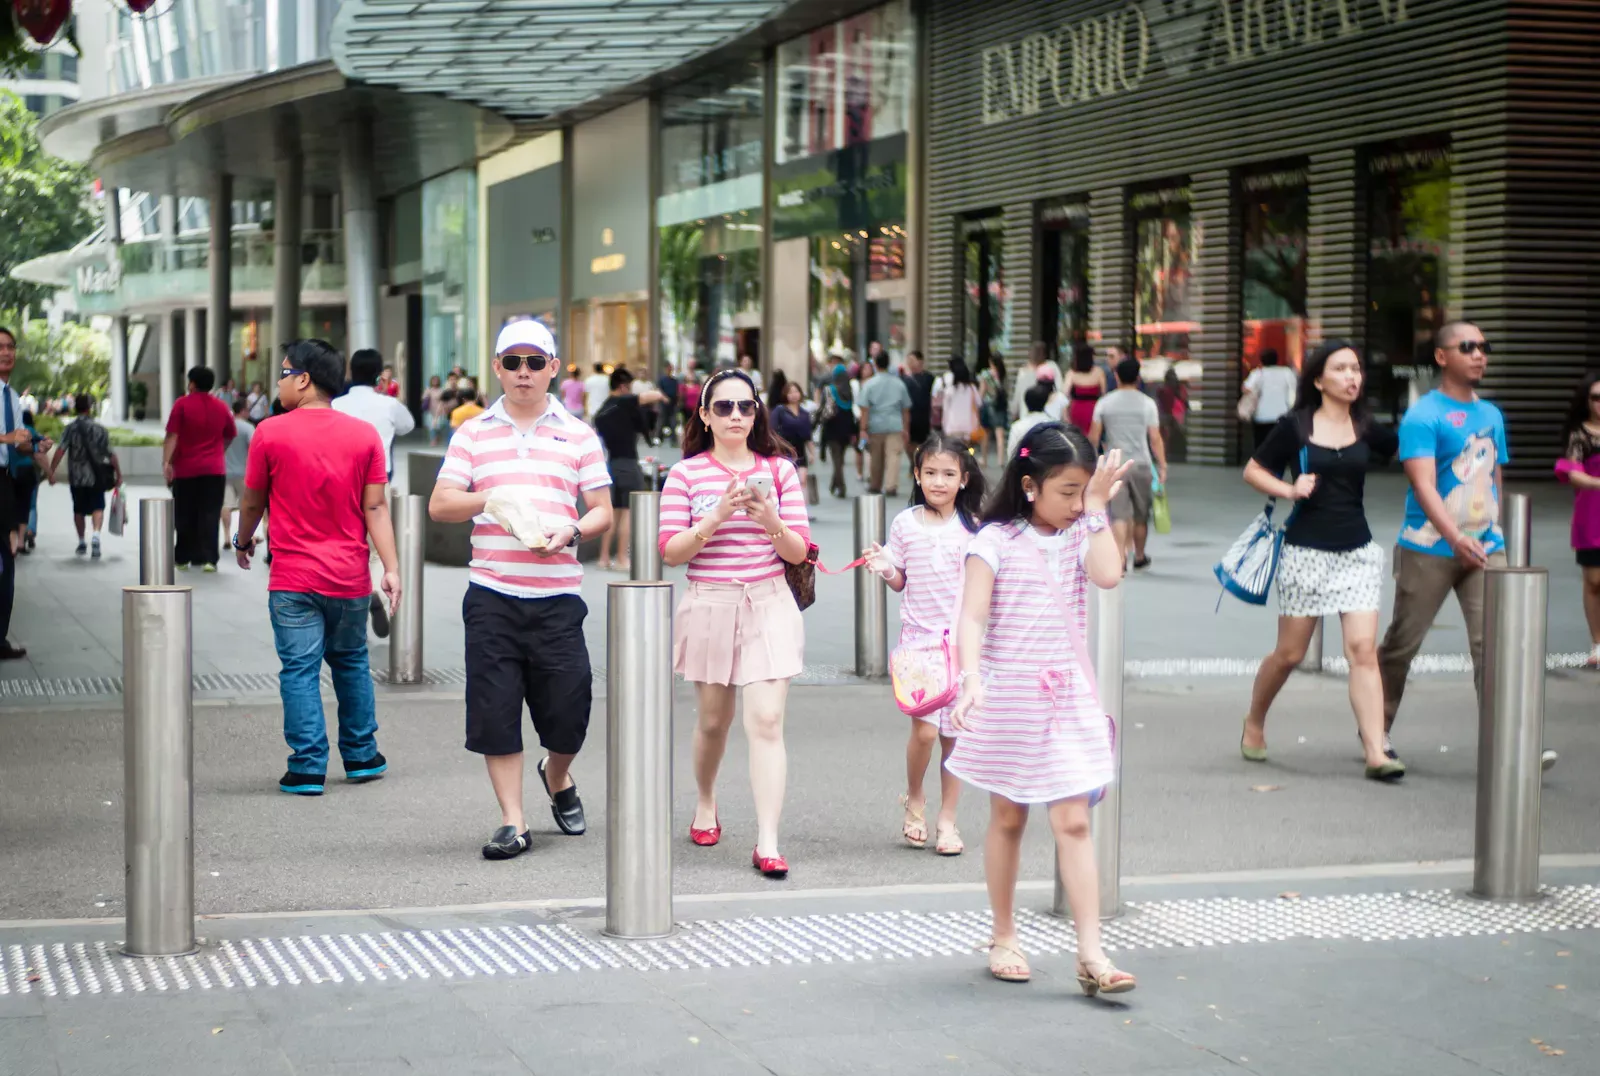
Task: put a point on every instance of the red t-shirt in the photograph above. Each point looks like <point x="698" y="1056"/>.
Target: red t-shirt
<point x="204" y="426"/>
<point x="314" y="463"/>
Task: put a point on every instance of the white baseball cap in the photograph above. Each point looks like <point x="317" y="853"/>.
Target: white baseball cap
<point x="525" y="333"/>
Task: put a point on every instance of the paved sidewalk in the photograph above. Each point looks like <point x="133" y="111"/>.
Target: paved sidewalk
<point x="1377" y="976"/>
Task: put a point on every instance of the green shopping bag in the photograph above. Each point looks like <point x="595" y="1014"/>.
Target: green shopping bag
<point x="1160" y="514"/>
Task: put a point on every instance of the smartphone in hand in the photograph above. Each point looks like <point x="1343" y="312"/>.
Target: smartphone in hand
<point x="761" y="482"/>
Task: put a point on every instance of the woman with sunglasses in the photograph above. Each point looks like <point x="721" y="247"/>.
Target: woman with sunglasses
<point x="733" y="510"/>
<point x="1579" y="467"/>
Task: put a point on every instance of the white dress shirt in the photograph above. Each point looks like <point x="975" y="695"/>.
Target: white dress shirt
<point x="391" y="417"/>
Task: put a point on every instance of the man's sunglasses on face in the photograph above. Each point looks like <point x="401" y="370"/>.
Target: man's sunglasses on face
<point x="724" y="408"/>
<point x="513" y="363"/>
<point x="290" y="371"/>
<point x="1468" y="347"/>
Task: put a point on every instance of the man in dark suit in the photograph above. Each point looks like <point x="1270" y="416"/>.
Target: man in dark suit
<point x="13" y="434"/>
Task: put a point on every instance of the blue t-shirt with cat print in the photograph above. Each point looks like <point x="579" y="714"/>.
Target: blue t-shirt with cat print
<point x="1466" y="441"/>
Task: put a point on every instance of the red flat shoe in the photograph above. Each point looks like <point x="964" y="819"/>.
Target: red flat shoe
<point x="771" y="866"/>
<point x="705" y="838"/>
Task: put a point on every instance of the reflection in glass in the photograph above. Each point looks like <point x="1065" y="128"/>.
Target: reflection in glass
<point x="449" y="273"/>
<point x="1165" y="308"/>
<point x="845" y="84"/>
<point x="985" y="300"/>
<point x="1410" y="191"/>
<point x="1273" y="299"/>
<point x="1064" y="272"/>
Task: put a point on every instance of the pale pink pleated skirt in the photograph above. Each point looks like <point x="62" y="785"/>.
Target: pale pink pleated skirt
<point x="737" y="634"/>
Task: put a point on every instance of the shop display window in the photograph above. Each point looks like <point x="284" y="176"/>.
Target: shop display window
<point x="845" y="84"/>
<point x="1410" y="190"/>
<point x="1166" y="307"/>
<point x="1064" y="274"/>
<point x="1275" y="213"/>
<point x="985" y="300"/>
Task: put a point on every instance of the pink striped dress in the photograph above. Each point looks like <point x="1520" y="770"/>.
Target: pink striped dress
<point x="930" y="554"/>
<point x="1040" y="734"/>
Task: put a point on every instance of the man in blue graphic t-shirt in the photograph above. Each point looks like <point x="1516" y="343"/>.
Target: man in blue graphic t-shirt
<point x="1453" y="445"/>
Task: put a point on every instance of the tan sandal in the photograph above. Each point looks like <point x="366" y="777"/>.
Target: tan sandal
<point x="949" y="842"/>
<point x="915" y="827"/>
<point x="1007" y="963"/>
<point x="1104" y="977"/>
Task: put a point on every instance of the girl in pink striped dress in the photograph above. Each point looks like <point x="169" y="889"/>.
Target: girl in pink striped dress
<point x="734" y="512"/>
<point x="1029" y="728"/>
<point x="922" y="563"/>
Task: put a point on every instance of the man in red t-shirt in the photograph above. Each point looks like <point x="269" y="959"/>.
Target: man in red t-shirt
<point x="194" y="462"/>
<point x="324" y="476"/>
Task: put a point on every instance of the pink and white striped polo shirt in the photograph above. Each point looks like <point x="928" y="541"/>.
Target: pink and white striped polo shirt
<point x="559" y="458"/>
<point x="740" y="551"/>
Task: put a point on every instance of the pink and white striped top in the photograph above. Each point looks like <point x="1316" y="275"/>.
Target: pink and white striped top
<point x="930" y="553"/>
<point x="740" y="551"/>
<point x="559" y="458"/>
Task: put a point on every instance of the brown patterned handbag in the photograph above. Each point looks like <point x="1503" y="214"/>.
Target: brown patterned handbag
<point x="802" y="578"/>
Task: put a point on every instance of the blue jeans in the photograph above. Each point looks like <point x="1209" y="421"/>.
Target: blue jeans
<point x="310" y="629"/>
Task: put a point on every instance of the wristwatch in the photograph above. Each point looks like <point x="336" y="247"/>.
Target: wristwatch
<point x="242" y="548"/>
<point x="1095" y="521"/>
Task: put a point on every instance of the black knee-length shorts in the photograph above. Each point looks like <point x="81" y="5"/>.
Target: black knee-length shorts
<point x="526" y="650"/>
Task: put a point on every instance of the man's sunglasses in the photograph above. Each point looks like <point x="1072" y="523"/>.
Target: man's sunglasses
<point x="513" y="363"/>
<point x="724" y="408"/>
<point x="290" y="371"/>
<point x="1468" y="347"/>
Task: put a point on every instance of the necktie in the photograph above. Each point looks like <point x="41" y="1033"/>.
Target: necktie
<point x="10" y="420"/>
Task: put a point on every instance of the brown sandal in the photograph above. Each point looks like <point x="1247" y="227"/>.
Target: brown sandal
<point x="915" y="827"/>
<point x="1104" y="977"/>
<point x="1014" y="971"/>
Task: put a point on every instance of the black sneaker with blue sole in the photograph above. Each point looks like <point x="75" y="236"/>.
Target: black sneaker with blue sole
<point x="302" y="784"/>
<point x="369" y="770"/>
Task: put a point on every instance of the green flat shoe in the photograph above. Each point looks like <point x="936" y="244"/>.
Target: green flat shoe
<point x="1253" y="754"/>
<point x="1392" y="770"/>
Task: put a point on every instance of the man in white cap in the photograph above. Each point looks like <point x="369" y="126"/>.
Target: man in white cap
<point x="527" y="461"/>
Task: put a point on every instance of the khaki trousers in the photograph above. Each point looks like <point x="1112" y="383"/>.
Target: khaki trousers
<point x="885" y="450"/>
<point x="1422" y="581"/>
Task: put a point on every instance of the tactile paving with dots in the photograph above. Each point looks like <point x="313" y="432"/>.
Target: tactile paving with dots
<point x="72" y="969"/>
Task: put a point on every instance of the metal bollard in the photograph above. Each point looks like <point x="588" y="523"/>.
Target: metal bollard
<point x="639" y="760"/>
<point x="1106" y="621"/>
<point x="1519" y="530"/>
<point x="410" y="515"/>
<point x="1510" y="734"/>
<point x="158" y="770"/>
<point x="644" y="547"/>
<point x="872" y="593"/>
<point x="1312" y="662"/>
<point x="155" y="542"/>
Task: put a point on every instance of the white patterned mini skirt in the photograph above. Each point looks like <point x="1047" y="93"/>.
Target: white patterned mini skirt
<point x="1318" y="582"/>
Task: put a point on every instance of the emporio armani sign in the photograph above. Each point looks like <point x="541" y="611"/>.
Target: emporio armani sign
<point x="1115" y="52"/>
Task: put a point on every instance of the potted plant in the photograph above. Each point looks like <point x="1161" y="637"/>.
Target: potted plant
<point x="138" y="395"/>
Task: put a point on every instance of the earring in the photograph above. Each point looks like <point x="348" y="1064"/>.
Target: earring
<point x="1030" y="497"/>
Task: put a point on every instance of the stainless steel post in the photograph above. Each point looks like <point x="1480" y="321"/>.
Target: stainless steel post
<point x="644" y="547"/>
<point x="872" y="593"/>
<point x="155" y="542"/>
<point x="1519" y="530"/>
<point x="1312" y="662"/>
<point x="410" y="515"/>
<point x="1106" y="649"/>
<point x="158" y="770"/>
<point x="639" y="759"/>
<point x="1510" y="734"/>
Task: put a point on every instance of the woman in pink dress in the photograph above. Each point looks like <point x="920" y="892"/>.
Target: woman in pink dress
<point x="1579" y="467"/>
<point x="1085" y="385"/>
<point x="1029" y="727"/>
<point x="922" y="563"/>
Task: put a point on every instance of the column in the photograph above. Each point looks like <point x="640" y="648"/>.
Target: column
<point x="360" y="234"/>
<point x="1336" y="242"/>
<point x="219" y="314"/>
<point x="191" y="343"/>
<point x="1111" y="266"/>
<point x="119" y="324"/>
<point x="1021" y="274"/>
<point x="167" y="377"/>
<point x="1216" y="236"/>
<point x="287" y="199"/>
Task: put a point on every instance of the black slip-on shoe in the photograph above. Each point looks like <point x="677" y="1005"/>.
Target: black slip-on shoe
<point x="380" y="617"/>
<point x="369" y="770"/>
<point x="11" y="653"/>
<point x="564" y="805"/>
<point x="302" y="784"/>
<point x="507" y="843"/>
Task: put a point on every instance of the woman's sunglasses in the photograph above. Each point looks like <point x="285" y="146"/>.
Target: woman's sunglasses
<point x="724" y="408"/>
<point x="513" y="363"/>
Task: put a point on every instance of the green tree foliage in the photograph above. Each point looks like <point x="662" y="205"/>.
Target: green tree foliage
<point x="70" y="360"/>
<point x="44" y="202"/>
